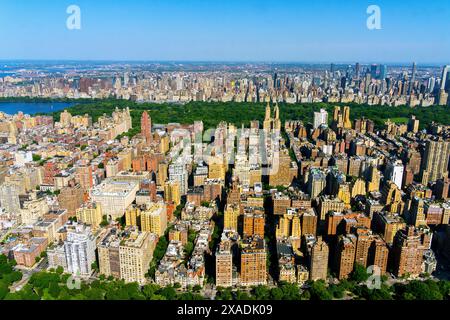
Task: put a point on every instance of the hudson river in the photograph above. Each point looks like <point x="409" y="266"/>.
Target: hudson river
<point x="33" y="107"/>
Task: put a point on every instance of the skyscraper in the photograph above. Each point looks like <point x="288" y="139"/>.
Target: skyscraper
<point x="445" y="86"/>
<point x="373" y="71"/>
<point x="146" y="127"/>
<point x="383" y="72"/>
<point x="343" y="83"/>
<point x="357" y="70"/>
<point x="445" y="79"/>
<point x="413" y="78"/>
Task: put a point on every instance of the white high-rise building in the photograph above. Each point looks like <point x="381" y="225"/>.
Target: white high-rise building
<point x="394" y="172"/>
<point x="9" y="198"/>
<point x="445" y="76"/>
<point x="79" y="249"/>
<point x="178" y="172"/>
<point x="320" y="118"/>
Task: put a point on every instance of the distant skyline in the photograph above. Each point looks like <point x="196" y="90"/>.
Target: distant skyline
<point x="228" y="31"/>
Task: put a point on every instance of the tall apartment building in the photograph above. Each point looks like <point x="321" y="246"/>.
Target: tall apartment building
<point x="282" y="170"/>
<point x="71" y="198"/>
<point x="57" y="257"/>
<point x="341" y="119"/>
<point x="364" y="241"/>
<point x="224" y="264"/>
<point x="319" y="260"/>
<point x="359" y="188"/>
<point x="90" y="213"/>
<point x="34" y="207"/>
<point x="345" y="255"/>
<point x="133" y="216"/>
<point x="178" y="172"/>
<point x="347" y="122"/>
<point x="108" y="254"/>
<point x="327" y="204"/>
<point x="373" y="181"/>
<point x="135" y="254"/>
<point x="392" y="197"/>
<point x="435" y="160"/>
<point x="230" y="217"/>
<point x="79" y="249"/>
<point x="394" y="172"/>
<point x="280" y="203"/>
<point x="172" y="192"/>
<point x="254" y="221"/>
<point x="407" y="252"/>
<point x="83" y="175"/>
<point x="378" y="254"/>
<point x="413" y="124"/>
<point x="217" y="168"/>
<point x="289" y="225"/>
<point x="146" y="128"/>
<point x="316" y="182"/>
<point x="309" y="221"/>
<point x="154" y="218"/>
<point x="9" y="197"/>
<point x="387" y="225"/>
<point x="253" y="262"/>
<point x="126" y="254"/>
<point x="417" y="212"/>
<point x="162" y="175"/>
<point x="269" y="123"/>
<point x="443" y="188"/>
<point x="320" y="118"/>
<point x="200" y="175"/>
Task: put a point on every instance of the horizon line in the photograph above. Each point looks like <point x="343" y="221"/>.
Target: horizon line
<point x="237" y="61"/>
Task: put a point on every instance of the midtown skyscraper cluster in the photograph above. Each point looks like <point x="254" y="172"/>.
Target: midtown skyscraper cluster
<point x="373" y="84"/>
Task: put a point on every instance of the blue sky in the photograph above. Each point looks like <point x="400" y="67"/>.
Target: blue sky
<point x="232" y="30"/>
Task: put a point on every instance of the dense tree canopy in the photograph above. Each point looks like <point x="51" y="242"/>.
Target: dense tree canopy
<point x="211" y="113"/>
<point x="53" y="285"/>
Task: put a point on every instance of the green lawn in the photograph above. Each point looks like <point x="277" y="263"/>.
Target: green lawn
<point x="399" y="120"/>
